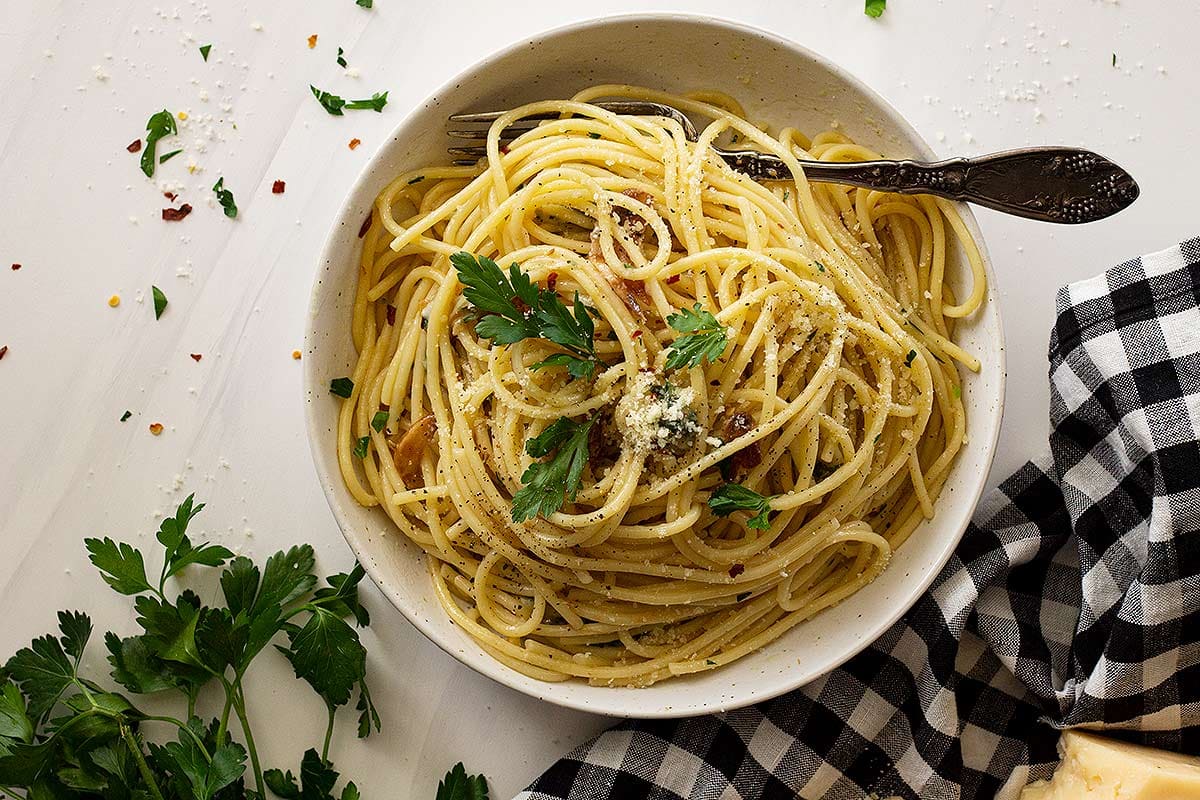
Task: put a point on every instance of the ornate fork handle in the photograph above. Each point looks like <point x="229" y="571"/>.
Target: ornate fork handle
<point x="1055" y="184"/>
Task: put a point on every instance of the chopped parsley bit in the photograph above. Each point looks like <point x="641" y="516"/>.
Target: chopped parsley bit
<point x="379" y="421"/>
<point x="225" y="198"/>
<point x="376" y="103"/>
<point x="820" y="266"/>
<point x="510" y="308"/>
<point x="360" y="447"/>
<point x="204" y="48"/>
<point x="732" y="497"/>
<point x="703" y="338"/>
<point x="160" y="301"/>
<point x="342" y="387"/>
<point x="593" y="134"/>
<point x="710" y="662"/>
<point x="126" y="415"/>
<point x="786" y="194"/>
<point x="160" y="124"/>
<point x="417" y="179"/>
<point x="334" y="104"/>
<point x="908" y="359"/>
<point x="1114" y="62"/>
<point x="957" y="391"/>
<point x="874" y="8"/>
<point x="341" y="61"/>
<point x="165" y="157"/>
<point x="364" y="3"/>
<point x="548" y="484"/>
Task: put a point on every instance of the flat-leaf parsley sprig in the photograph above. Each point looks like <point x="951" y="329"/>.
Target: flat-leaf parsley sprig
<point x="703" y="338"/>
<point x="511" y="308"/>
<point x="548" y="484"/>
<point x="731" y="497"/>
<point x="63" y="735"/>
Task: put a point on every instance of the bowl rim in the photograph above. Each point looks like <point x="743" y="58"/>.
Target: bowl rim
<point x="311" y="384"/>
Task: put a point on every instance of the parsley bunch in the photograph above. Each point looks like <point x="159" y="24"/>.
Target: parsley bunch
<point x="511" y="308"/>
<point x="64" y="735"/>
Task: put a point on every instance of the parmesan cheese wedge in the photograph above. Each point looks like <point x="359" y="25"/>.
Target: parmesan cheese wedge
<point x="1095" y="768"/>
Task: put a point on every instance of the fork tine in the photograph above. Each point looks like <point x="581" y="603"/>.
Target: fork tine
<point x="465" y="162"/>
<point x="492" y="116"/>
<point x="482" y="133"/>
<point x="467" y="151"/>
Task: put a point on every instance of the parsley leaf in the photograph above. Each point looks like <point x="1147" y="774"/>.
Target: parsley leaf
<point x="160" y="301"/>
<point x="225" y="198"/>
<point x="160" y="125"/>
<point x="120" y="565"/>
<point x="342" y="387"/>
<point x="908" y="359"/>
<point x="512" y="308"/>
<point x="330" y="102"/>
<point x="15" y="725"/>
<point x="204" y="48"/>
<point x="874" y="8"/>
<point x="732" y="497"/>
<point x="375" y="103"/>
<point x="341" y="60"/>
<point x="458" y="785"/>
<point x="379" y="421"/>
<point x="360" y="447"/>
<point x="165" y="157"/>
<point x="327" y="654"/>
<point x="364" y="3"/>
<point x="703" y="338"/>
<point x="548" y="484"/>
<point x="48" y="666"/>
<point x="334" y="104"/>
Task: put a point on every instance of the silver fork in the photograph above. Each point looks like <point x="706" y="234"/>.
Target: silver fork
<point x="1053" y="184"/>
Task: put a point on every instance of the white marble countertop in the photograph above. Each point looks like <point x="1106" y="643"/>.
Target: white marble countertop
<point x="78" y="82"/>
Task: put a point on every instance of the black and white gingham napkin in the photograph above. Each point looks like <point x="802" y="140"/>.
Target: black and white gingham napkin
<point x="1073" y="599"/>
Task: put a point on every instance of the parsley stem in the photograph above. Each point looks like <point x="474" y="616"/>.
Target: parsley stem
<point x="183" y="727"/>
<point x="136" y="749"/>
<point x="328" y="733"/>
<point x="239" y="705"/>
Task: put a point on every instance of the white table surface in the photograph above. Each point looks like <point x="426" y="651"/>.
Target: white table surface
<point x="78" y="82"/>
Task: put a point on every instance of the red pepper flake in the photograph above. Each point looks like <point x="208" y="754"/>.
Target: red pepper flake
<point x="170" y="196"/>
<point x="520" y="305"/>
<point x="196" y="356"/>
<point x="366" y="226"/>
<point x="176" y="214"/>
<point x="3" y="351"/>
<point x="736" y="569"/>
<point x="134" y="146"/>
<point x="354" y="143"/>
<point x="552" y="281"/>
<point x="277" y="187"/>
<point x="504" y="149"/>
<point x="156" y="428"/>
<point x="636" y="334"/>
<point x="391" y="314"/>
<point x="16" y="267"/>
<point x="673" y="279"/>
<point x="312" y="41"/>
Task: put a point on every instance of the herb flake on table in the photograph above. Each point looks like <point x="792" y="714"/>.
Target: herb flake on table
<point x="341" y="60"/>
<point x="160" y="301"/>
<point x="204" y="50"/>
<point x="126" y="415"/>
<point x="376" y="102"/>
<point x="364" y="3"/>
<point x="159" y="126"/>
<point x="334" y="104"/>
<point x="165" y="157"/>
<point x="875" y="8"/>
<point x="732" y="497"/>
<point x="225" y="198"/>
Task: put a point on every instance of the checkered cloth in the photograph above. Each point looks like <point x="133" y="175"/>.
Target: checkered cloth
<point x="1073" y="599"/>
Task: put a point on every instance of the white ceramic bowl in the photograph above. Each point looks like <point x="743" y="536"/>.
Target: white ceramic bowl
<point x="777" y="81"/>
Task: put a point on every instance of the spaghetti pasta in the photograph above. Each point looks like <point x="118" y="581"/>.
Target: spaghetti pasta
<point x="827" y="392"/>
